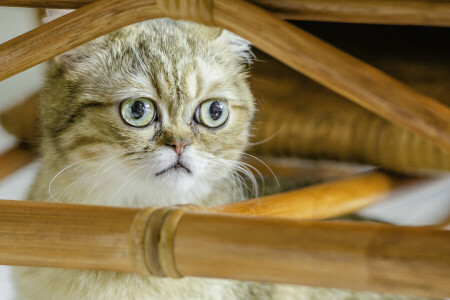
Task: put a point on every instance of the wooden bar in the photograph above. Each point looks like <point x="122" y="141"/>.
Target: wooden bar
<point x="13" y="160"/>
<point x="320" y="201"/>
<point x="66" y="236"/>
<point x="381" y="258"/>
<point x="359" y="256"/>
<point x="400" y="12"/>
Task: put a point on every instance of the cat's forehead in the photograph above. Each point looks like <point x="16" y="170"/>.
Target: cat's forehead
<point x="171" y="63"/>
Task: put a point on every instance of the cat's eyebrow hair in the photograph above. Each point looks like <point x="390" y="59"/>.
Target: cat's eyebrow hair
<point x="78" y="113"/>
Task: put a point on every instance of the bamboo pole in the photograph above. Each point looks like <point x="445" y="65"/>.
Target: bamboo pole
<point x="400" y="12"/>
<point x="176" y="242"/>
<point x="321" y="201"/>
<point x="374" y="257"/>
<point x="13" y="160"/>
<point x="333" y="68"/>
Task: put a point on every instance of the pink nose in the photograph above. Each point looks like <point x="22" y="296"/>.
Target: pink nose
<point x="178" y="146"/>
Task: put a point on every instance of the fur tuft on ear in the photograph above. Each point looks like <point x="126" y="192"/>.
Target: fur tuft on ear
<point x="237" y="45"/>
<point x="53" y="14"/>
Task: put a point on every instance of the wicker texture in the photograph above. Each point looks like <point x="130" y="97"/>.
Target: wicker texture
<point x="307" y="120"/>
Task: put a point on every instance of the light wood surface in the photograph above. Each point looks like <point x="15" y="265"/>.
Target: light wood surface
<point x="356" y="256"/>
<point x="66" y="236"/>
<point x="13" y="160"/>
<point x="321" y="201"/>
<point x="320" y="61"/>
<point x="180" y="242"/>
<point x="400" y="12"/>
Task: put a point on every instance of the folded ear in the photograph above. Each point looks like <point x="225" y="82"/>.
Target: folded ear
<point x="237" y="45"/>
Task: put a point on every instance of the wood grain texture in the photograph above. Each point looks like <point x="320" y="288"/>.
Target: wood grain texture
<point x="13" y="160"/>
<point x="373" y="257"/>
<point x="66" y="236"/>
<point x="320" y="201"/>
<point x="69" y="31"/>
<point x="342" y="73"/>
<point x="400" y="12"/>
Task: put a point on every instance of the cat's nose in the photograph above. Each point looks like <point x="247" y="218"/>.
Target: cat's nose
<point x="178" y="146"/>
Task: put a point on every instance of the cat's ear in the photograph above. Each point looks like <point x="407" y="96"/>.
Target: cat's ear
<point x="71" y="57"/>
<point x="237" y="45"/>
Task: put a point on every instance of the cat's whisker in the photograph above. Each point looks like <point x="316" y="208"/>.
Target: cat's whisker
<point x="66" y="168"/>
<point x="238" y="167"/>
<point x="109" y="159"/>
<point x="115" y="164"/>
<point x="130" y="176"/>
<point x="268" y="138"/>
<point x="101" y="181"/>
<point x="262" y="162"/>
<point x="227" y="186"/>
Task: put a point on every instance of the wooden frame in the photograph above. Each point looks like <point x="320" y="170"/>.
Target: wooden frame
<point x="134" y="247"/>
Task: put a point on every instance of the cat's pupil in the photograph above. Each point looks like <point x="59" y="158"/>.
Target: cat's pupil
<point x="215" y="110"/>
<point x="137" y="109"/>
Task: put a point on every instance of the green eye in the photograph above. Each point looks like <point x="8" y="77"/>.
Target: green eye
<point x="212" y="113"/>
<point x="138" y="112"/>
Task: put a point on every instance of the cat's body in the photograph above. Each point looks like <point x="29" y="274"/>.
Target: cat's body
<point x="96" y="150"/>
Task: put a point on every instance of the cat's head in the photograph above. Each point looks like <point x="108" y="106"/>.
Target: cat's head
<point x="165" y="104"/>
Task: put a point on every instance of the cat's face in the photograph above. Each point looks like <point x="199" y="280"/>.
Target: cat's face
<point x="164" y="103"/>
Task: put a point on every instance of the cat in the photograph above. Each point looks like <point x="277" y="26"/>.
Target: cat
<point x="156" y="113"/>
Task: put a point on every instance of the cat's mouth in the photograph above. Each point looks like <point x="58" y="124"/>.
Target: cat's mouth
<point x="178" y="166"/>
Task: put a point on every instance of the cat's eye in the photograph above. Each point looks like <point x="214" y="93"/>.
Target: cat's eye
<point x="138" y="112"/>
<point x="212" y="113"/>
